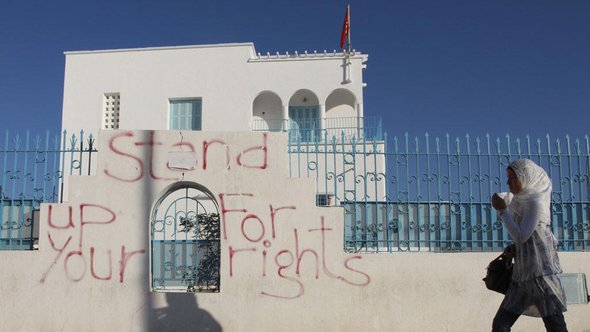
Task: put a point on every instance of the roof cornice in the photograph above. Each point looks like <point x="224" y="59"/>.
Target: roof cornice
<point x="147" y="49"/>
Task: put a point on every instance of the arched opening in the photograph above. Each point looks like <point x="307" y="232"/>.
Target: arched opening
<point x="185" y="240"/>
<point x="341" y="114"/>
<point x="304" y="116"/>
<point x="341" y="104"/>
<point x="267" y="112"/>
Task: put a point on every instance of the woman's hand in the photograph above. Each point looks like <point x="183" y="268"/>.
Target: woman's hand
<point x="498" y="202"/>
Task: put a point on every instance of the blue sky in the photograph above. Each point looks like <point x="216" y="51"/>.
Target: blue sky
<point x="434" y="66"/>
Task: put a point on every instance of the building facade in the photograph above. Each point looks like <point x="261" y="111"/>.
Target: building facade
<point x="226" y="87"/>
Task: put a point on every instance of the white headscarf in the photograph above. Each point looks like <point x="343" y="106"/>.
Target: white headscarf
<point x="536" y="187"/>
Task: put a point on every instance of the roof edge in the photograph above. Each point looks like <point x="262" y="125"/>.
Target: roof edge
<point x="143" y="49"/>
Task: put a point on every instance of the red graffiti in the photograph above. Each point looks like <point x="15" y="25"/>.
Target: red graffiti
<point x="130" y="156"/>
<point x="151" y="143"/>
<point x="273" y="214"/>
<point x="60" y="251"/>
<point x="282" y="267"/>
<point x="125" y="257"/>
<point x="255" y="157"/>
<point x="76" y="261"/>
<point x="225" y="211"/>
<point x="206" y="145"/>
<point x="256" y="237"/>
<point x="50" y="219"/>
<point x="287" y="262"/>
<point x="84" y="222"/>
<point x="94" y="274"/>
<point x="68" y="271"/>
<point x="263" y="148"/>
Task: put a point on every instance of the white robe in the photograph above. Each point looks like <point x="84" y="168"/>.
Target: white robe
<point x="536" y="289"/>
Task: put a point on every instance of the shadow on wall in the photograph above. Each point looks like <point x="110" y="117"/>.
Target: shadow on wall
<point x="182" y="314"/>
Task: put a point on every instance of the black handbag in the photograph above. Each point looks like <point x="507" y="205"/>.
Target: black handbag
<point x="499" y="274"/>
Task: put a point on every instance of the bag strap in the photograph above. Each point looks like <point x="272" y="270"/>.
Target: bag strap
<point x="503" y="257"/>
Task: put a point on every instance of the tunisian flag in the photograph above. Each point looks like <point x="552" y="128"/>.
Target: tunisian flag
<point x="345" y="27"/>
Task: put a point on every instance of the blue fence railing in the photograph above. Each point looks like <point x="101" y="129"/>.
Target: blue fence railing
<point x="32" y="169"/>
<point x="312" y="130"/>
<point x="400" y="194"/>
<point x="433" y="194"/>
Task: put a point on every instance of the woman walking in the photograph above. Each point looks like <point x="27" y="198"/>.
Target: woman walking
<point x="535" y="289"/>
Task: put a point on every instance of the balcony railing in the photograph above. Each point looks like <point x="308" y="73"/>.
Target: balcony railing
<point x="316" y="129"/>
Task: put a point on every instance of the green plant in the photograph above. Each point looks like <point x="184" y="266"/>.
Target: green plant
<point x="206" y="231"/>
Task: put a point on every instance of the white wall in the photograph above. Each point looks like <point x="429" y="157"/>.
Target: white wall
<point x="64" y="287"/>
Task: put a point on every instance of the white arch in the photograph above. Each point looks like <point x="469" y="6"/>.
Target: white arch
<point x="341" y="103"/>
<point x="267" y="112"/>
<point x="342" y="115"/>
<point x="304" y="97"/>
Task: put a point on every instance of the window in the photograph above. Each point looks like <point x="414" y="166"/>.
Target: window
<point x="323" y="199"/>
<point x="185" y="114"/>
<point x="19" y="224"/>
<point x="185" y="240"/>
<point x="304" y="123"/>
<point x="110" y="109"/>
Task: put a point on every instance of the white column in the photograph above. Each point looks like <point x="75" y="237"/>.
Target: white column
<point x="346" y="64"/>
<point x="285" y="118"/>
<point x="348" y="67"/>
<point x="323" y="116"/>
<point x="360" y="121"/>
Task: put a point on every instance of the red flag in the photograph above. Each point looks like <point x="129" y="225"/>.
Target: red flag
<point x="345" y="28"/>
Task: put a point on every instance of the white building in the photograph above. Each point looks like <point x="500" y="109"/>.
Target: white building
<point x="226" y="87"/>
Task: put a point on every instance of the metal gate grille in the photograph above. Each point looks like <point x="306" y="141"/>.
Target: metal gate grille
<point x="185" y="243"/>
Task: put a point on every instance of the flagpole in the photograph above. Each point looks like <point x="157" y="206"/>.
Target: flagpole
<point x="347" y="53"/>
<point x="349" y="45"/>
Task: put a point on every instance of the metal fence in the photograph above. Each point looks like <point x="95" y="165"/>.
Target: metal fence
<point x="399" y="194"/>
<point x="32" y="172"/>
<point x="433" y="194"/>
<point x="315" y="130"/>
